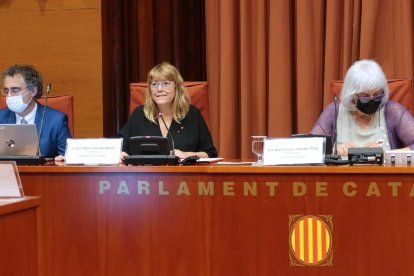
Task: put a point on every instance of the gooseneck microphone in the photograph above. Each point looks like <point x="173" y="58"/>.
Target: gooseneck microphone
<point x="335" y="134"/>
<point x="334" y="158"/>
<point x="48" y="87"/>
<point x="160" y="115"/>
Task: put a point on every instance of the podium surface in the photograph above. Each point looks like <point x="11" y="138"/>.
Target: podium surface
<point x="225" y="220"/>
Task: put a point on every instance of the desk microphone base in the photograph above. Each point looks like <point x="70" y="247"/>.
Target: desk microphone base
<point x="151" y="160"/>
<point x="366" y="155"/>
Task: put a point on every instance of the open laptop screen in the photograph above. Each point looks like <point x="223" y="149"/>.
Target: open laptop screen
<point x="18" y="140"/>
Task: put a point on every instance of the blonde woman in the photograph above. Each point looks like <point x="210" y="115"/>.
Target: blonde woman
<point x="167" y="95"/>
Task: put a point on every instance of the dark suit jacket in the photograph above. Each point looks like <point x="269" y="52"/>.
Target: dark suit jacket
<point x="55" y="129"/>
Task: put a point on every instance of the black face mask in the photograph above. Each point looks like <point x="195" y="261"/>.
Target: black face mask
<point x="369" y="107"/>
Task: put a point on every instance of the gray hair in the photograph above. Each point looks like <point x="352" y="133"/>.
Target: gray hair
<point x="31" y="77"/>
<point x="363" y="76"/>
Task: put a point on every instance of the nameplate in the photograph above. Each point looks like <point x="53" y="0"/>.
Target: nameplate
<point x="294" y="151"/>
<point x="99" y="151"/>
<point x="10" y="185"/>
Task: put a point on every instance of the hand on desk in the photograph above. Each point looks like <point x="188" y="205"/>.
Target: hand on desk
<point x="60" y="158"/>
<point x="343" y="148"/>
<point x="185" y="154"/>
<point x="122" y="155"/>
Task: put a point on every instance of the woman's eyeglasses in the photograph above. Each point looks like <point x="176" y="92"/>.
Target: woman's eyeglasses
<point x="164" y="84"/>
<point x="376" y="98"/>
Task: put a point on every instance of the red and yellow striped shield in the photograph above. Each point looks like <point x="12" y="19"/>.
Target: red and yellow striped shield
<point x="310" y="240"/>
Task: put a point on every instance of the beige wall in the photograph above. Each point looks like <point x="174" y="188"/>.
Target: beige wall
<point x="62" y="38"/>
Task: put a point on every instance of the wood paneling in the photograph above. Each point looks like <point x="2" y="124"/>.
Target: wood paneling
<point x="43" y="5"/>
<point x="62" y="39"/>
<point x="136" y="36"/>
<point x="122" y="221"/>
<point x="19" y="236"/>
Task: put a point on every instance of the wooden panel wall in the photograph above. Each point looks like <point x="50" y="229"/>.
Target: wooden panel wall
<point x="62" y="39"/>
<point x="138" y="34"/>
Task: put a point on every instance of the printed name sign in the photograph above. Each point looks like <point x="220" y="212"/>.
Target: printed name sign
<point x="294" y="151"/>
<point x="10" y="185"/>
<point x="99" y="151"/>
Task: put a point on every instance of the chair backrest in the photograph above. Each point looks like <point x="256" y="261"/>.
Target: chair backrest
<point x="401" y="90"/>
<point x="198" y="91"/>
<point x="62" y="103"/>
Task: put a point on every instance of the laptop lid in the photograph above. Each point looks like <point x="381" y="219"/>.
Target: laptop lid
<point x="16" y="140"/>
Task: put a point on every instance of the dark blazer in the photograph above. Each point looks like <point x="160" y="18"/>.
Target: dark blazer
<point x="55" y="129"/>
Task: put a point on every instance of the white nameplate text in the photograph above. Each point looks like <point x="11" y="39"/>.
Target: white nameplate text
<point x="294" y="151"/>
<point x="93" y="151"/>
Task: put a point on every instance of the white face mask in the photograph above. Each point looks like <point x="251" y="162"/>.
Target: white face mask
<point x="16" y="104"/>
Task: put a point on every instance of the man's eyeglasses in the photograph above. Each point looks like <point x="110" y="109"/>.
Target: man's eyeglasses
<point x="165" y="85"/>
<point x="376" y="98"/>
<point x="11" y="91"/>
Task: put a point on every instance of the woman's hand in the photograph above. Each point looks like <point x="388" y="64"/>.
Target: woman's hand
<point x="122" y="155"/>
<point x="180" y="154"/>
<point x="373" y="145"/>
<point x="343" y="148"/>
<point x="185" y="154"/>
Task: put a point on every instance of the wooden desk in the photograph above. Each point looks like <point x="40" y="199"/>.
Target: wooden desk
<point x="221" y="220"/>
<point x="19" y="236"/>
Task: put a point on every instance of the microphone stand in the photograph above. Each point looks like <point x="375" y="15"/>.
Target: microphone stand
<point x="335" y="153"/>
<point x="160" y="115"/>
<point x="48" y="87"/>
<point x="334" y="158"/>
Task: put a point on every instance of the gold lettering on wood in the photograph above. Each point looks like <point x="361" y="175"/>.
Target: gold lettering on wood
<point x="394" y="187"/>
<point x="347" y="191"/>
<point x="143" y="187"/>
<point x="249" y="189"/>
<point x="373" y="189"/>
<point x="205" y="190"/>
<point x="299" y="188"/>
<point x="183" y="188"/>
<point x="123" y="188"/>
<point x="228" y="188"/>
<point x="321" y="189"/>
<point x="272" y="187"/>
<point x="161" y="190"/>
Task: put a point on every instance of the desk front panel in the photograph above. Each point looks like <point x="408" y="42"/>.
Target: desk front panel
<point x="221" y="220"/>
<point x="19" y="236"/>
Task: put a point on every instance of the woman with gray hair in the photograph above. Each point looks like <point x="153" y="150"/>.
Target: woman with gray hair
<point x="365" y="116"/>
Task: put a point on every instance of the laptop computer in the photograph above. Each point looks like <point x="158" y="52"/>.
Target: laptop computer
<point x="20" y="143"/>
<point x="18" y="140"/>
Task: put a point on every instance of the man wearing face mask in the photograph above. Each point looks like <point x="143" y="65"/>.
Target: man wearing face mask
<point x="365" y="117"/>
<point x="22" y="86"/>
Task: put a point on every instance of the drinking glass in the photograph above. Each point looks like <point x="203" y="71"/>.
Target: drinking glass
<point x="257" y="148"/>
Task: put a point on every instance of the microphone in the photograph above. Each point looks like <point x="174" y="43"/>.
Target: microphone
<point x="160" y="115"/>
<point x="334" y="158"/>
<point x="48" y="87"/>
<point x="335" y="153"/>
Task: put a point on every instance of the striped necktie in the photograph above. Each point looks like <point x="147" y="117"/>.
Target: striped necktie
<point x="23" y="121"/>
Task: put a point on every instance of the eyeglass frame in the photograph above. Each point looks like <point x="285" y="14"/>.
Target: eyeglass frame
<point x="162" y="83"/>
<point x="12" y="89"/>
<point x="376" y="98"/>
